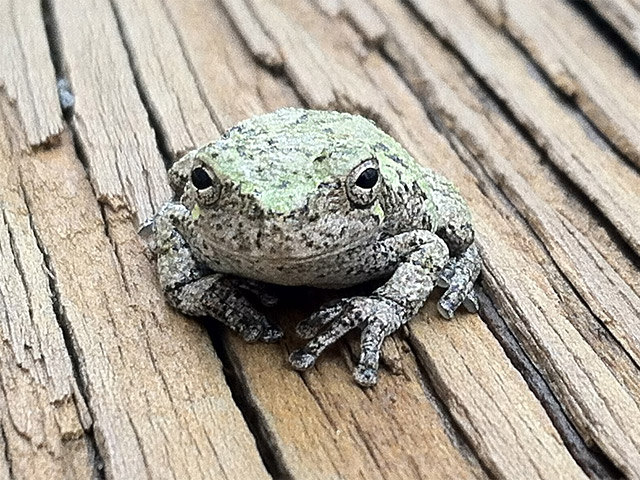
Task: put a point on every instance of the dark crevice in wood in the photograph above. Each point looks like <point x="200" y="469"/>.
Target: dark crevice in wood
<point x="455" y="433"/>
<point x="7" y="455"/>
<point x="192" y="70"/>
<point x="61" y="318"/>
<point x="607" y="31"/>
<point x="243" y="398"/>
<point x="564" y="98"/>
<point x="497" y="192"/>
<point x="590" y="458"/>
<point x="621" y="243"/>
<point x="71" y="347"/>
<point x="163" y="147"/>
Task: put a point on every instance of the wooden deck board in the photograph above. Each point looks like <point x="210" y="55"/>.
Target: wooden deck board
<point x="101" y="379"/>
<point x="624" y="17"/>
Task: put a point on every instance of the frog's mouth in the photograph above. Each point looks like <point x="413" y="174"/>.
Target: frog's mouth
<point x="261" y="255"/>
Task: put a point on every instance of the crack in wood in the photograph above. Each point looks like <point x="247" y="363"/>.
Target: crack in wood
<point x="253" y="416"/>
<point x="453" y="429"/>
<point x="563" y="158"/>
<point x="71" y="347"/>
<point x="591" y="459"/>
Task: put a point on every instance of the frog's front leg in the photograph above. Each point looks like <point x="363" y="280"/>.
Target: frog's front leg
<point x="458" y="277"/>
<point x="194" y="290"/>
<point x="420" y="256"/>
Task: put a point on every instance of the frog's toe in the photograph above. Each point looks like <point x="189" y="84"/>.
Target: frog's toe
<point x="302" y="359"/>
<point x="471" y="302"/>
<point x="251" y="333"/>
<point x="455" y="296"/>
<point x="444" y="279"/>
<point x="309" y="327"/>
<point x="271" y="333"/>
<point x="256" y="288"/>
<point x="458" y="277"/>
<point x="365" y="376"/>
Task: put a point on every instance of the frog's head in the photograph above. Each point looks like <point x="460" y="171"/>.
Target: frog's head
<point x="292" y="184"/>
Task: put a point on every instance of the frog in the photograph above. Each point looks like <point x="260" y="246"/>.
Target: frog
<point x="316" y="198"/>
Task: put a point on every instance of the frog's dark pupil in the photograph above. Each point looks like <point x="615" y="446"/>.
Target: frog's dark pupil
<point x="201" y="178"/>
<point x="367" y="178"/>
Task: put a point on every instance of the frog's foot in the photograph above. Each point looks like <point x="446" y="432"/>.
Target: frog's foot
<point x="218" y="296"/>
<point x="258" y="289"/>
<point x="458" y="277"/>
<point x="311" y="326"/>
<point x="378" y="317"/>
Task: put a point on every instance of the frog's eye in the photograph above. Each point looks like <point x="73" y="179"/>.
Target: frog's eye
<point x="205" y="184"/>
<point x="363" y="182"/>
<point x="200" y="178"/>
<point x="367" y="178"/>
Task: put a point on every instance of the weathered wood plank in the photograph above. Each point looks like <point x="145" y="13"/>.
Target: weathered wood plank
<point x="522" y="178"/>
<point x="154" y="385"/>
<point x="112" y="124"/>
<point x="260" y="44"/>
<point x="366" y="20"/>
<point x="165" y="75"/>
<point x="156" y="394"/>
<point x="624" y="16"/>
<point x="581" y="63"/>
<point x="550" y="214"/>
<point x="26" y="69"/>
<point x="608" y="181"/>
<point x="226" y="75"/>
<point x="322" y="425"/>
<point x="43" y="415"/>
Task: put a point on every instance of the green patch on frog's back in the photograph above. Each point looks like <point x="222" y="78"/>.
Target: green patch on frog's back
<point x="282" y="158"/>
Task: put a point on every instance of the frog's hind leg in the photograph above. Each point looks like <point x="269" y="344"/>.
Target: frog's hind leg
<point x="216" y="295"/>
<point x="195" y="290"/>
<point x="458" y="277"/>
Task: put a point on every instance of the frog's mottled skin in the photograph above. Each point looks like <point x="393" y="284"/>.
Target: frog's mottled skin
<point x="281" y="202"/>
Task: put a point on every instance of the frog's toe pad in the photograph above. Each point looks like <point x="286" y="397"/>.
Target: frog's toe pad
<point x="271" y="334"/>
<point x="302" y="360"/>
<point x="365" y="376"/>
<point x="251" y="333"/>
<point x="445" y="310"/>
<point x="453" y="298"/>
<point x="471" y="303"/>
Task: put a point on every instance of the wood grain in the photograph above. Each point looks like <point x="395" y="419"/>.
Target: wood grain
<point x="111" y="122"/>
<point x="43" y="415"/>
<point x="101" y="379"/>
<point x="27" y="76"/>
<point x="598" y="78"/>
<point x="154" y="387"/>
<point x="624" y="16"/>
<point x="164" y="74"/>
<point x="608" y="181"/>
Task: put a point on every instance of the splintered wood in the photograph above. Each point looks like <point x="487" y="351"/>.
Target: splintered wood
<point x="529" y="107"/>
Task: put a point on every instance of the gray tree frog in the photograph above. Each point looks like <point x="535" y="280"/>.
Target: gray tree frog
<point x="316" y="198"/>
